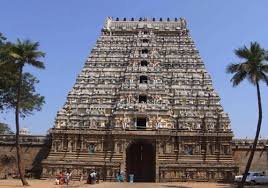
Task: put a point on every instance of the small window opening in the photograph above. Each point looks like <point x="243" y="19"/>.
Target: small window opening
<point x="145" y="32"/>
<point x="142" y="99"/>
<point x="145" y="40"/>
<point x="144" y="63"/>
<point x="144" y="51"/>
<point x="141" y="123"/>
<point x="143" y="79"/>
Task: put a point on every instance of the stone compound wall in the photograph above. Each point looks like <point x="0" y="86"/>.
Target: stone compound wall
<point x="241" y="153"/>
<point x="36" y="149"/>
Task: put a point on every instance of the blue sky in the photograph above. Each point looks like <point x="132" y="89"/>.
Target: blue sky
<point x="68" y="29"/>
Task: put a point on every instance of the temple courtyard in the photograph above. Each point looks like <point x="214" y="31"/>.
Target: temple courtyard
<point x="50" y="184"/>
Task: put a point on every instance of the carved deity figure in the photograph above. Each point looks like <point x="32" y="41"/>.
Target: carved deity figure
<point x="129" y="98"/>
<point x="93" y="124"/>
<point x="157" y="99"/>
<point x="156" y="55"/>
<point x="211" y="126"/>
<point x="226" y="126"/>
<point x="125" y="122"/>
<point x="142" y="107"/>
<point x="108" y="22"/>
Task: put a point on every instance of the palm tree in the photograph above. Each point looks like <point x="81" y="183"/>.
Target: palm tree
<point x="255" y="69"/>
<point x="2" y="38"/>
<point x="22" y="53"/>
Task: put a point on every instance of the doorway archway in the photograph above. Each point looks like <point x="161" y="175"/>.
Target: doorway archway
<point x="140" y="161"/>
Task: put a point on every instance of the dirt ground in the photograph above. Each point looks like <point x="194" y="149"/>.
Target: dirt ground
<point x="50" y="184"/>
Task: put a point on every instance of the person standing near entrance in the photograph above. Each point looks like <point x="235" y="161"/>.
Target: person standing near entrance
<point x="67" y="177"/>
<point x="93" y="175"/>
<point x="120" y="177"/>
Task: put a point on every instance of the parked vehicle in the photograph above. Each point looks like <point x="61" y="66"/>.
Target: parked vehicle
<point x="254" y="178"/>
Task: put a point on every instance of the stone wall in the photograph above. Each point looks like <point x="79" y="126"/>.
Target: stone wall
<point x="36" y="149"/>
<point x="241" y="152"/>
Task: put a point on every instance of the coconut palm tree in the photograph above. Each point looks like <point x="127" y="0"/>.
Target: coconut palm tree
<point x="255" y="69"/>
<point x="2" y="38"/>
<point x="23" y="53"/>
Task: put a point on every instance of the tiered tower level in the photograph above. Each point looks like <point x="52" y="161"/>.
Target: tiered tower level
<point x="143" y="104"/>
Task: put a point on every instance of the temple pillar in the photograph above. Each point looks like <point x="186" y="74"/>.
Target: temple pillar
<point x="69" y="145"/>
<point x="157" y="173"/>
<point x="82" y="144"/>
<point x="124" y="156"/>
<point x="75" y="143"/>
<point x="62" y="144"/>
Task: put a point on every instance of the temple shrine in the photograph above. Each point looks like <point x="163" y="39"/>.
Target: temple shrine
<point x="145" y="105"/>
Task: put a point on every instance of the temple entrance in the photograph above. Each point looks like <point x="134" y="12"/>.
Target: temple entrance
<point x="141" y="162"/>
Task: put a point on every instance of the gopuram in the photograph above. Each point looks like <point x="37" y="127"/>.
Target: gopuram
<point x="143" y="104"/>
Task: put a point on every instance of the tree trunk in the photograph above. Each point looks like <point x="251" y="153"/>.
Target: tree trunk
<point x="241" y="185"/>
<point x="20" y="161"/>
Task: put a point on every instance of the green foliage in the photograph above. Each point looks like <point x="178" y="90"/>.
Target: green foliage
<point x="26" y="52"/>
<point x="3" y="48"/>
<point x="11" y="58"/>
<point x="2" y="38"/>
<point x="8" y="79"/>
<point x="29" y="101"/>
<point x="254" y="66"/>
<point x="5" y="129"/>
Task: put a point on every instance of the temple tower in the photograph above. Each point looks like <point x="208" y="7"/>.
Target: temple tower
<point x="143" y="104"/>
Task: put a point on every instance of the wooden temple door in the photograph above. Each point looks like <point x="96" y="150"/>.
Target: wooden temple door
<point x="141" y="162"/>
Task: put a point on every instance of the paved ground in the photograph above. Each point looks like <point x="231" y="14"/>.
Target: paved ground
<point x="50" y="184"/>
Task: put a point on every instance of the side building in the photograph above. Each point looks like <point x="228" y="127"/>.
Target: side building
<point x="143" y="104"/>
